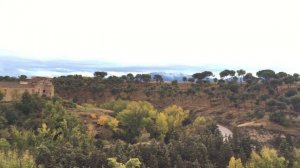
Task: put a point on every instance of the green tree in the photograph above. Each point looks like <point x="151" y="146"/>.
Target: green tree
<point x="241" y="72"/>
<point x="202" y="75"/>
<point x="100" y="75"/>
<point x="137" y="116"/>
<point x="12" y="159"/>
<point x="267" y="74"/>
<point x="281" y="75"/>
<point x="158" y="78"/>
<point x="1" y="95"/>
<point x="295" y="100"/>
<point x="22" y="77"/>
<point x="227" y="72"/>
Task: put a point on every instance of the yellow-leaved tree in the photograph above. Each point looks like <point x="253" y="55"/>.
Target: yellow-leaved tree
<point x="175" y="115"/>
<point x="267" y="158"/>
<point x="102" y="120"/>
<point x="235" y="163"/>
<point x="162" y="124"/>
<point x="131" y="163"/>
<point x="297" y="158"/>
<point x="137" y="116"/>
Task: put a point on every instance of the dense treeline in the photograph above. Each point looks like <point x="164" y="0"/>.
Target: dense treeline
<point x="38" y="131"/>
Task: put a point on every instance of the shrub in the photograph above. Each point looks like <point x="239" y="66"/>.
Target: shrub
<point x="279" y="118"/>
<point x="295" y="100"/>
<point x="13" y="159"/>
<point x="102" y="120"/>
<point x="290" y="93"/>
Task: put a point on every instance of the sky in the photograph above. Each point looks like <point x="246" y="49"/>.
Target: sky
<point x="256" y="34"/>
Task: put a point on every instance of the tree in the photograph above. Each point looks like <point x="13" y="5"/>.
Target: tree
<point x="281" y="75"/>
<point x="266" y="74"/>
<point x="296" y="76"/>
<point x="290" y="93"/>
<point x="1" y="95"/>
<point x="235" y="163"/>
<point x="249" y="78"/>
<point x="184" y="79"/>
<point x="191" y="80"/>
<point x="227" y="72"/>
<point x="100" y="75"/>
<point x="130" y="77"/>
<point x="137" y="116"/>
<point x="22" y="77"/>
<point x="295" y="100"/>
<point x="296" y="163"/>
<point x="146" y="78"/>
<point x="241" y="72"/>
<point x="158" y="78"/>
<point x="175" y="116"/>
<point x="202" y="75"/>
<point x="30" y="103"/>
<point x="267" y="158"/>
<point x="289" y="80"/>
<point x="162" y="124"/>
<point x="13" y="159"/>
<point x="131" y="163"/>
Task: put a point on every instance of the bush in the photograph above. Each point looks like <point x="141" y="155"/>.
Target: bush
<point x="115" y="105"/>
<point x="290" y="93"/>
<point x="279" y="118"/>
<point x="259" y="114"/>
<point x="14" y="160"/>
<point x="295" y="100"/>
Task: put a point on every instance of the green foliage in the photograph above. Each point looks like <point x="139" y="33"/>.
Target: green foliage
<point x="4" y="145"/>
<point x="279" y="118"/>
<point x="227" y="72"/>
<point x="202" y="75"/>
<point x="201" y="121"/>
<point x="115" y="105"/>
<point x="158" y="78"/>
<point x="296" y="163"/>
<point x="162" y="124"/>
<point x="235" y="163"/>
<point x="291" y="92"/>
<point x="12" y="159"/>
<point x="1" y="95"/>
<point x="273" y="105"/>
<point x="295" y="100"/>
<point x="131" y="163"/>
<point x="137" y="116"/>
<point x="241" y="72"/>
<point x="266" y="74"/>
<point x="100" y="75"/>
<point x="175" y="116"/>
<point x="30" y="103"/>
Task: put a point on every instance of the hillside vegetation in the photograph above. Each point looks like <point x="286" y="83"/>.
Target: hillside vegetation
<point x="141" y="121"/>
<point x="269" y="102"/>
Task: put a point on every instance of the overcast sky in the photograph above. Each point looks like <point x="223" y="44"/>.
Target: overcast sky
<point x="256" y="33"/>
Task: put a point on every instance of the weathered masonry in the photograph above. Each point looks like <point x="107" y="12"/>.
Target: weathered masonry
<point x="36" y="85"/>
